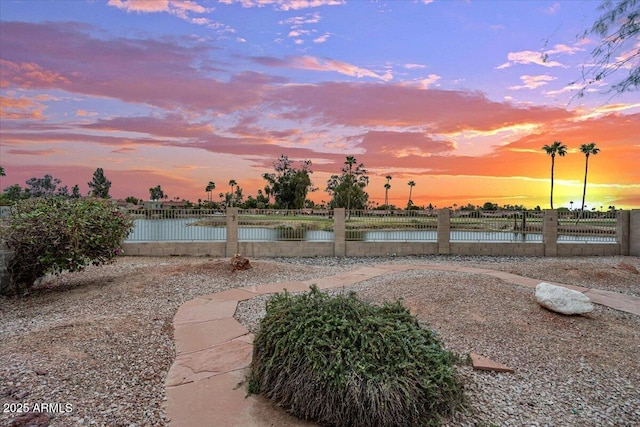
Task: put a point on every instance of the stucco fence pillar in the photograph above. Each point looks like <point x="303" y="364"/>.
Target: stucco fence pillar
<point x="232" y="232"/>
<point x="550" y="232"/>
<point x="444" y="232"/>
<point x="634" y="232"/>
<point x="339" y="232"/>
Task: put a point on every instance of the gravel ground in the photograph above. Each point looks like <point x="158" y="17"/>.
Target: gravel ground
<point x="99" y="343"/>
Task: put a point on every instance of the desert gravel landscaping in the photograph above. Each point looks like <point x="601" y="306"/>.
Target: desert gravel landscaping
<point x="99" y="342"/>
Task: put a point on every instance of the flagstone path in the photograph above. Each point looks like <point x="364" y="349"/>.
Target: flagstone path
<point x="213" y="350"/>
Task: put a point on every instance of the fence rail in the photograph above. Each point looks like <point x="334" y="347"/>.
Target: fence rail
<point x="178" y="225"/>
<point x="284" y="225"/>
<point x="253" y="225"/>
<point x="392" y="226"/>
<point x="587" y="227"/>
<point x="496" y="226"/>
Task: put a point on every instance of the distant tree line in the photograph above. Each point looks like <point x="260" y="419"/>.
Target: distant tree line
<point x="49" y="186"/>
<point x="287" y="187"/>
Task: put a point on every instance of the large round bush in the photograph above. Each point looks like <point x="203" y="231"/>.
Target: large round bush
<point x="342" y="362"/>
<point x="51" y="235"/>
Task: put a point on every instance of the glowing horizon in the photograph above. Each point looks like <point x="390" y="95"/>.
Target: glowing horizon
<point x="451" y="95"/>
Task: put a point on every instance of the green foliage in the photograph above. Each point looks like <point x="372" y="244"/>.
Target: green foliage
<point x="14" y="192"/>
<point x="617" y="27"/>
<point x="156" y="193"/>
<point x="348" y="189"/>
<point x="288" y="185"/>
<point x="51" y="235"/>
<point x="133" y="200"/>
<point x="99" y="185"/>
<point x="340" y="361"/>
<point x="42" y="187"/>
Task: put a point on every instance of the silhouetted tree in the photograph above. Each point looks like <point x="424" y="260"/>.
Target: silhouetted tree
<point x="210" y="187"/>
<point x="156" y="193"/>
<point x="347" y="189"/>
<point x="100" y="185"/>
<point x="618" y="28"/>
<point x="75" y="192"/>
<point x="557" y="148"/>
<point x="14" y="193"/>
<point x="42" y="187"/>
<point x="232" y="183"/>
<point x="288" y="185"/>
<point x="387" y="186"/>
<point x="587" y="149"/>
<point x="410" y="202"/>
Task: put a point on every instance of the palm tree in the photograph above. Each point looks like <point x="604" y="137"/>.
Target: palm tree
<point x="349" y="162"/>
<point x="267" y="192"/>
<point x="387" y="186"/>
<point x="556" y="148"/>
<point x="210" y="187"/>
<point x="411" y="184"/>
<point x="232" y="183"/>
<point x="587" y="150"/>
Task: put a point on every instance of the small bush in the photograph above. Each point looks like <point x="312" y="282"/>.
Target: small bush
<point x="52" y="235"/>
<point x="342" y="362"/>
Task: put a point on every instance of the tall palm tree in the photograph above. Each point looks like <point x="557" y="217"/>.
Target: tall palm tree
<point x="232" y="183"/>
<point x="210" y="187"/>
<point x="387" y="186"/>
<point x="349" y="162"/>
<point x="411" y="185"/>
<point x="587" y="150"/>
<point x="556" y="148"/>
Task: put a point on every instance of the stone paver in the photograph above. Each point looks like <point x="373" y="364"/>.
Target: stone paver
<point x="205" y="311"/>
<point x="481" y="363"/>
<point x="204" y="386"/>
<point x="200" y="335"/>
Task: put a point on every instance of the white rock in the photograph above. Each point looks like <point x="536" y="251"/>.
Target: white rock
<point x="562" y="300"/>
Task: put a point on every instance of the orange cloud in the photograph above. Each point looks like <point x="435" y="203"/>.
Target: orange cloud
<point x="28" y="75"/>
<point x="49" y="152"/>
<point x="533" y="82"/>
<point x="180" y="8"/>
<point x="20" y="108"/>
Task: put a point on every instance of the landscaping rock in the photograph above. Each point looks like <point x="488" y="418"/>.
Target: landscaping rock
<point x="562" y="300"/>
<point x="238" y="262"/>
<point x="31" y="419"/>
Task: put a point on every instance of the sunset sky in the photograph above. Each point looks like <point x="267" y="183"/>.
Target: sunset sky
<point x="453" y="95"/>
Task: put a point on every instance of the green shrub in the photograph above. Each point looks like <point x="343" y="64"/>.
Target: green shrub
<point x="52" y="235"/>
<point x="342" y="362"/>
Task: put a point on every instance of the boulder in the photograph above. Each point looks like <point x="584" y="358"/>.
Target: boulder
<point x="562" y="300"/>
